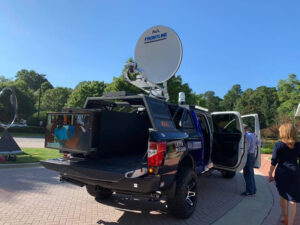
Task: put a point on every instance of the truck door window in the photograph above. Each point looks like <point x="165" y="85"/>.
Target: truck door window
<point x="177" y="118"/>
<point x="225" y="124"/>
<point x="182" y="119"/>
<point x="203" y="124"/>
<point x="186" y="121"/>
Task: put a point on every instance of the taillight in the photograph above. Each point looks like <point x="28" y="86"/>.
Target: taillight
<point x="156" y="151"/>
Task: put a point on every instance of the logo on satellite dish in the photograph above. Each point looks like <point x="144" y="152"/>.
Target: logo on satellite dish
<point x="157" y="37"/>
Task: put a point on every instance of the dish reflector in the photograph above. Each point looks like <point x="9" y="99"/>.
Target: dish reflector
<point x="158" y="53"/>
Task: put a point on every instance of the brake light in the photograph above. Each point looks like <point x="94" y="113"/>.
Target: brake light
<point x="156" y="151"/>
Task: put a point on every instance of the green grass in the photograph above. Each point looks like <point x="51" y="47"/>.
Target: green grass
<point x="25" y="134"/>
<point x="32" y="155"/>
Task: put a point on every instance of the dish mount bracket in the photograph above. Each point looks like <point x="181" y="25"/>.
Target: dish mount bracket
<point x="136" y="77"/>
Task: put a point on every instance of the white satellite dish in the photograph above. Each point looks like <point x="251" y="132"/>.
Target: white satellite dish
<point x="158" y="53"/>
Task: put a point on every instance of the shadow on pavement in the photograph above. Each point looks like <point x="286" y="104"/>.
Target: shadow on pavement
<point x="216" y="196"/>
<point x="13" y="181"/>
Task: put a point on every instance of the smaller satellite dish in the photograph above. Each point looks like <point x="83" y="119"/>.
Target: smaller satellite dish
<point x="158" y="53"/>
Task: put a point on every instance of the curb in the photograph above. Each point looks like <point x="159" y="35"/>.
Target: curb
<point x="19" y="165"/>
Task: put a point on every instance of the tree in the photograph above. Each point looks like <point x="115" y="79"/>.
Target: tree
<point x="84" y="90"/>
<point x="31" y="78"/>
<point x="3" y="79"/>
<point x="55" y="99"/>
<point x="175" y="86"/>
<point x="263" y="101"/>
<point x="25" y="99"/>
<point x="231" y="97"/>
<point x="288" y="95"/>
<point x="201" y="101"/>
<point x="213" y="102"/>
<point x="46" y="86"/>
<point x="120" y="84"/>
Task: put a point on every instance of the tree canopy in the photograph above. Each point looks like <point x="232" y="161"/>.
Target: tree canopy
<point x="84" y="90"/>
<point x="55" y="99"/>
<point x="231" y="97"/>
<point x="31" y="78"/>
<point x="271" y="103"/>
<point x="288" y="95"/>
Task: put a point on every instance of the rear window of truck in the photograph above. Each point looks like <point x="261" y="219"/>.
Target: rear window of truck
<point x="160" y="114"/>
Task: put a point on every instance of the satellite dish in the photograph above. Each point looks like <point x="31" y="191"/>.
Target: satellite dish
<point x="158" y="54"/>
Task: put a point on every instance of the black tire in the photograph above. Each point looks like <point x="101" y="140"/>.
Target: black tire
<point x="183" y="203"/>
<point x="98" y="192"/>
<point x="228" y="174"/>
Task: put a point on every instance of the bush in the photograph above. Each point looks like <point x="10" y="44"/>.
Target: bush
<point x="267" y="146"/>
<point x="266" y="150"/>
<point x="28" y="129"/>
<point x="270" y="132"/>
<point x="33" y="119"/>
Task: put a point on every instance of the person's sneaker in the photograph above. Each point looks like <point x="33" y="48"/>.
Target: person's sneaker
<point x="246" y="193"/>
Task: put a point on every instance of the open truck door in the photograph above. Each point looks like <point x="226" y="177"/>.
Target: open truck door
<point x="228" y="151"/>
<point x="253" y="122"/>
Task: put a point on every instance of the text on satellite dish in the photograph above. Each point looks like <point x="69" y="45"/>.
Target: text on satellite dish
<point x="153" y="38"/>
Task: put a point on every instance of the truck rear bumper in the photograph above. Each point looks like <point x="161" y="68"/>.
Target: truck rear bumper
<point x="115" y="181"/>
<point x="145" y="185"/>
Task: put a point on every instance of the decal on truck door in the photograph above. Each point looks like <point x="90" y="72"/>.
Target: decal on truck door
<point x="192" y="145"/>
<point x="179" y="146"/>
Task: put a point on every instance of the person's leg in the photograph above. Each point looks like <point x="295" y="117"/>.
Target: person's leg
<point x="283" y="205"/>
<point x="251" y="170"/>
<point x="247" y="177"/>
<point x="291" y="212"/>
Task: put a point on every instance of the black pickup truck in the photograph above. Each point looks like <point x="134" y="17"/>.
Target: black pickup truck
<point x="144" y="147"/>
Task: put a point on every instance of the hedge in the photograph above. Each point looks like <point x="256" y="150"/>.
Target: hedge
<point x="28" y="129"/>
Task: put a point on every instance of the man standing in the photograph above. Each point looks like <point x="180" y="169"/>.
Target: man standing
<point x="248" y="171"/>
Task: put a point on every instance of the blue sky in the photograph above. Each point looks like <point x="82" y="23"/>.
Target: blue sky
<point x="251" y="43"/>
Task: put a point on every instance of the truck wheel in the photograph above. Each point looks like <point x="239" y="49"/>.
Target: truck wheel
<point x="98" y="192"/>
<point x="227" y="174"/>
<point x="184" y="202"/>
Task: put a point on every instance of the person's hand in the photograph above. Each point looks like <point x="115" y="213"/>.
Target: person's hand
<point x="270" y="178"/>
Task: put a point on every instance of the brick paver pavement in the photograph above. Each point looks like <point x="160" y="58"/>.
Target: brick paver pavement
<point x="35" y="196"/>
<point x="265" y="165"/>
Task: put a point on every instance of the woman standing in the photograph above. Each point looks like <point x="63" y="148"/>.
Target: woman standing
<point x="286" y="154"/>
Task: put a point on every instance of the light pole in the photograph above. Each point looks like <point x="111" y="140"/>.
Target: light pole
<point x="39" y="107"/>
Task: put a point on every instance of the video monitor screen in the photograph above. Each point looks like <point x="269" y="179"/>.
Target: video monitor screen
<point x="70" y="131"/>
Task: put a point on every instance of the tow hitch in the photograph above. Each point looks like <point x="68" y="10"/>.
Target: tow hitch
<point x="155" y="196"/>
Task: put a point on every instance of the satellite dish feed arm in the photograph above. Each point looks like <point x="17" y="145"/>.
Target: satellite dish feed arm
<point x="142" y="83"/>
<point x="132" y="69"/>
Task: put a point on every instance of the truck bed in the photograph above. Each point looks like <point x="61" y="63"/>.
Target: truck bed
<point x="111" y="169"/>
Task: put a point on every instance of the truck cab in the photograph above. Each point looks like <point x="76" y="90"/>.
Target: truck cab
<point x="142" y="146"/>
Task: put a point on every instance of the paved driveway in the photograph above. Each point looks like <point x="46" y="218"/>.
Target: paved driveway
<point x="29" y="142"/>
<point x="35" y="196"/>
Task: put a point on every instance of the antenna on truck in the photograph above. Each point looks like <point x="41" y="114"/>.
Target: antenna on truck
<point x="158" y="55"/>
